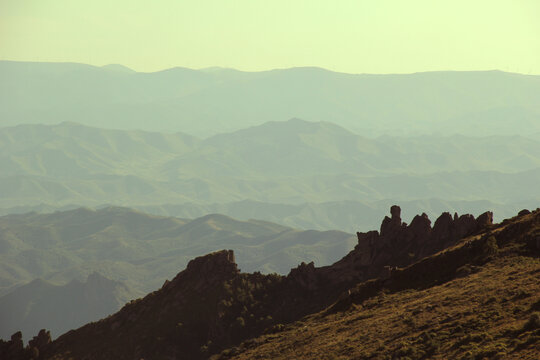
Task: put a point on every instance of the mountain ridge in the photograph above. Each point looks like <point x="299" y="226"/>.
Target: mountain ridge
<point x="428" y="102"/>
<point x="293" y="163"/>
<point x="212" y="68"/>
<point x="143" y="250"/>
<point x="215" y="295"/>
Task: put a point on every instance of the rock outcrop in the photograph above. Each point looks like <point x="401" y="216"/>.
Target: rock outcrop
<point x="396" y="245"/>
<point x="182" y="316"/>
<point x="207" y="270"/>
<point x="38" y="344"/>
<point x="399" y="245"/>
<point x="13" y="348"/>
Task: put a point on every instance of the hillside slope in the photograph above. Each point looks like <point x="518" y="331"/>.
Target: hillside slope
<point x="144" y="250"/>
<point x="291" y="172"/>
<point x="41" y="304"/>
<point x="486" y="312"/>
<point x="211" y="305"/>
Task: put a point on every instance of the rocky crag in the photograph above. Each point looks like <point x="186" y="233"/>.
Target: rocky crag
<point x="396" y="245"/>
<point x="212" y="306"/>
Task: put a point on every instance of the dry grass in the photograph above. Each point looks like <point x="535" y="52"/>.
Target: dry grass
<point x="491" y="313"/>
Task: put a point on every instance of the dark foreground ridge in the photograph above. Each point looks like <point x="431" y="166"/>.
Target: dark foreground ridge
<point x="212" y="306"/>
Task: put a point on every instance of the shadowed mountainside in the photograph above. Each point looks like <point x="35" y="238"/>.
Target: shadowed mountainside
<point x="41" y="304"/>
<point x="211" y="305"/>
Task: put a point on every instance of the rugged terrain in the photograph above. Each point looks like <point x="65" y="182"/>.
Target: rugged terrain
<point x="464" y="287"/>
<point x="45" y="259"/>
<point x="478" y="299"/>
<point x="144" y="250"/>
<point x="486" y="312"/>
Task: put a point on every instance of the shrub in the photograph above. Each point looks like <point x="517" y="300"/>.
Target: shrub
<point x="240" y="322"/>
<point x="490" y="246"/>
<point x="533" y="323"/>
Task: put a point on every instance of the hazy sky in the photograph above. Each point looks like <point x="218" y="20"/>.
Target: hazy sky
<point x="377" y="36"/>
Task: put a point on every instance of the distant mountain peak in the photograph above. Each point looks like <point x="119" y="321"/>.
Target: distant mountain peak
<point x="278" y="129"/>
<point x="96" y="277"/>
<point x="118" y="68"/>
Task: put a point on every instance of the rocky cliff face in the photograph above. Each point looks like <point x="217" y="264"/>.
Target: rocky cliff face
<point x="175" y="321"/>
<point x="399" y="244"/>
<point x="396" y="245"/>
<point x="14" y="349"/>
<point x="211" y="305"/>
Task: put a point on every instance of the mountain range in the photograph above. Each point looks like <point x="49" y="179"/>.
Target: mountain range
<point x="113" y="255"/>
<point x="113" y="180"/>
<point x="296" y="173"/>
<point x="144" y="250"/>
<point x="210" y="101"/>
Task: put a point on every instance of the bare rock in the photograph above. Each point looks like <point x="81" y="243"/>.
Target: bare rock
<point x="443" y="229"/>
<point x="390" y="227"/>
<point x="16" y="339"/>
<point x="365" y="249"/>
<point x="305" y="275"/>
<point x="524" y="212"/>
<point x="399" y="244"/>
<point x="219" y="262"/>
<point x="465" y="225"/>
<point x="485" y="219"/>
<point x="395" y="211"/>
<point x="420" y="228"/>
<point x="41" y="341"/>
<point x="206" y="271"/>
<point x="12" y="349"/>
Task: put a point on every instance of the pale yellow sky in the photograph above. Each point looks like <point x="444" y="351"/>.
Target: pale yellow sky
<point x="378" y="36"/>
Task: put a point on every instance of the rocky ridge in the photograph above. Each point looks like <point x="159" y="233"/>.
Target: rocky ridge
<point x="396" y="245"/>
<point x="211" y="305"/>
<point x="477" y="299"/>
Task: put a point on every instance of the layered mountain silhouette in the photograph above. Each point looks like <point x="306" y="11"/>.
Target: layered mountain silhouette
<point x="209" y="101"/>
<point x="295" y="173"/>
<point x="41" y="304"/>
<point x="144" y="250"/>
<point x="212" y="306"/>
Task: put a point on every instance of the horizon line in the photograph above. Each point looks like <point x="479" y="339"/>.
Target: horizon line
<point x="217" y="68"/>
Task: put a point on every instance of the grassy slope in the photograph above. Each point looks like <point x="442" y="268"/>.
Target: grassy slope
<point x="487" y="310"/>
<point x="477" y="299"/>
<point x="483" y="313"/>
